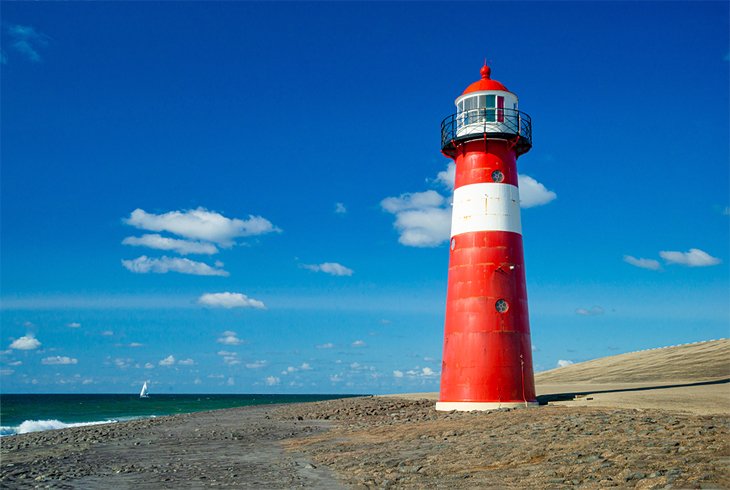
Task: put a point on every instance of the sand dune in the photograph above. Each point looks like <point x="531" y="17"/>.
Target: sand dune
<point x="687" y="378"/>
<point x="703" y="361"/>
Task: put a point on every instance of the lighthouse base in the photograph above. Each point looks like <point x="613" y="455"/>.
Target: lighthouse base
<point x="480" y="406"/>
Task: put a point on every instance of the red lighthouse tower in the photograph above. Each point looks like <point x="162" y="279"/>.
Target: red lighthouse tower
<point x="487" y="358"/>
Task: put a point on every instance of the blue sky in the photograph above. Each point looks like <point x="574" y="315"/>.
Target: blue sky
<point x="250" y="197"/>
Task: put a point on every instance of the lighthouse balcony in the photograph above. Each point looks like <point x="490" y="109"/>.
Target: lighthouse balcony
<point x="498" y="123"/>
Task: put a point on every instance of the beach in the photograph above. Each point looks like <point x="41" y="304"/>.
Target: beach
<point x="671" y="432"/>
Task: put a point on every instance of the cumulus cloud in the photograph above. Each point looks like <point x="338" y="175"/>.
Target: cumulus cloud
<point x="164" y="264"/>
<point x="326" y="345"/>
<point x="107" y="333"/>
<point x="694" y="258"/>
<point x="229" y="358"/>
<point x="59" y="361"/>
<point x="230" y="337"/>
<point x="650" y="264"/>
<point x="592" y="311"/>
<point x="272" y="381"/>
<point x="305" y="367"/>
<point x="331" y="268"/>
<point x="183" y="247"/>
<point x="256" y="364"/>
<point x="201" y="224"/>
<point x="423" y="219"/>
<point x="533" y="193"/>
<point x="358" y="343"/>
<point x="340" y="208"/>
<point x="26" y="342"/>
<point x="149" y="365"/>
<point x="168" y="361"/>
<point x="335" y="378"/>
<point x="27" y="41"/>
<point x="73" y="325"/>
<point x="447" y="177"/>
<point x="186" y="362"/>
<point x="564" y="362"/>
<point x="427" y="371"/>
<point x="230" y="300"/>
<point x="397" y="374"/>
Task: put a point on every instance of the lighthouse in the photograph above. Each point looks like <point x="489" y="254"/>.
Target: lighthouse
<point x="487" y="356"/>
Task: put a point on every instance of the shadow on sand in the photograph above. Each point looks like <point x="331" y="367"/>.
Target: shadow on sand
<point x="562" y="397"/>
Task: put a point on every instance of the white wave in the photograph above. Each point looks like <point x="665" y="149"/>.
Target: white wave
<point x="40" y="425"/>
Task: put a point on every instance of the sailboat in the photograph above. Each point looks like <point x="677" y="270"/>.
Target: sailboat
<point x="144" y="393"/>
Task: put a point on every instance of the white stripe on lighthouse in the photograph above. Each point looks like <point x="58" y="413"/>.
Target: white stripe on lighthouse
<point x="486" y="206"/>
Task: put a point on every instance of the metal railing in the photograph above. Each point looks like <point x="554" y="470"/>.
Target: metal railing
<point x="507" y="124"/>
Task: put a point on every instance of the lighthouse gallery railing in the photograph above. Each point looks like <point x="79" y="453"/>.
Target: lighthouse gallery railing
<point x="507" y="124"/>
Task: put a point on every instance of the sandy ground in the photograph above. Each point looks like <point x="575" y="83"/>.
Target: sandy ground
<point x="654" y="427"/>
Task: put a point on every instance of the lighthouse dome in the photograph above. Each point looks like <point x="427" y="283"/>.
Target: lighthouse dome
<point x="485" y="83"/>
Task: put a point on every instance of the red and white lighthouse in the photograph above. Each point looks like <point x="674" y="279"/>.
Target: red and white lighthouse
<point x="487" y="357"/>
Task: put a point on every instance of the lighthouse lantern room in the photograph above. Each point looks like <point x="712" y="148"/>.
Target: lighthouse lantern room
<point x="487" y="356"/>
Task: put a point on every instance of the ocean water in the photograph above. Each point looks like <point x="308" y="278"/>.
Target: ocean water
<point x="30" y="413"/>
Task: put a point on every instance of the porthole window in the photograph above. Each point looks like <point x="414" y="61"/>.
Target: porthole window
<point x="453" y="243"/>
<point x="501" y="306"/>
<point x="497" y="176"/>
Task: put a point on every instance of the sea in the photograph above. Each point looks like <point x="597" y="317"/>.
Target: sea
<point x="20" y="414"/>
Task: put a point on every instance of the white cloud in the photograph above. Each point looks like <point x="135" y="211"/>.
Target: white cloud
<point x="183" y="247"/>
<point x="331" y="268"/>
<point x="358" y="343"/>
<point x="73" y="325"/>
<point x="201" y="224"/>
<point x="122" y="363"/>
<point x="592" y="311"/>
<point x="305" y="367"/>
<point x="272" y="381"/>
<point x="59" y="360"/>
<point x="335" y="378"/>
<point x="650" y="264"/>
<point x="694" y="258"/>
<point x="397" y="374"/>
<point x="230" y="382"/>
<point x="256" y="364"/>
<point x="423" y="219"/>
<point x="168" y="361"/>
<point x="186" y="362"/>
<point x="533" y="193"/>
<point x="149" y="365"/>
<point x="427" y="371"/>
<point x="230" y="338"/>
<point x="163" y="265"/>
<point x="327" y="345"/>
<point x="340" y="208"/>
<point x="107" y="333"/>
<point x="229" y="358"/>
<point x="135" y="344"/>
<point x="27" y="342"/>
<point x="564" y="362"/>
<point x="230" y="300"/>
<point x="6" y="372"/>
<point x="27" y="41"/>
<point x="447" y="177"/>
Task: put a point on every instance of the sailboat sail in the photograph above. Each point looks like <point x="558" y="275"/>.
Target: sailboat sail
<point x="143" y="393"/>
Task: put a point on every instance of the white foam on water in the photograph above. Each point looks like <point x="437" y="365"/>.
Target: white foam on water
<point x="41" y="425"/>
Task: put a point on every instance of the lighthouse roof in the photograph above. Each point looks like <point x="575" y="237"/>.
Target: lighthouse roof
<point x="486" y="83"/>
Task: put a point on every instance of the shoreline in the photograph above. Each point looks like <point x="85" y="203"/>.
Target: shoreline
<point x="376" y="442"/>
